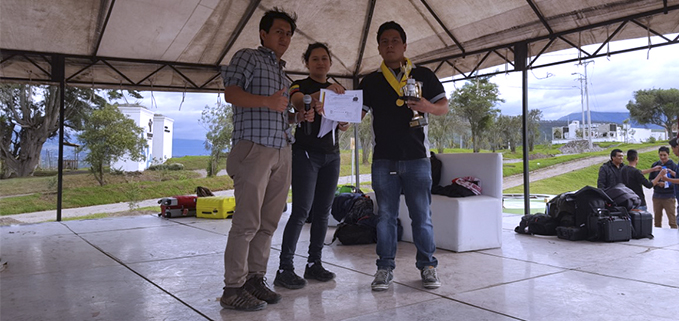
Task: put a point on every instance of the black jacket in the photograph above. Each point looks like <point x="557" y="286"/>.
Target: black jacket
<point x="609" y="175"/>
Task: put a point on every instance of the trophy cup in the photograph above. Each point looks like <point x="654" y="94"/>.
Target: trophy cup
<point x="413" y="91"/>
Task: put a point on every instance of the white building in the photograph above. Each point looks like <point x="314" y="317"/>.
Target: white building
<point x="158" y="131"/>
<point x="606" y="132"/>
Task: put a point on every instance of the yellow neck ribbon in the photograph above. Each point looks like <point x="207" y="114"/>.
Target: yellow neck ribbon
<point x="397" y="84"/>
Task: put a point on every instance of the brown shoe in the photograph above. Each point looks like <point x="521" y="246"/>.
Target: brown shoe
<point x="256" y="286"/>
<point x="239" y="299"/>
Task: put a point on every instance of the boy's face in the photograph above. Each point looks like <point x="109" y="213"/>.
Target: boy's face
<point x="675" y="150"/>
<point x="278" y="37"/>
<point x="391" y="47"/>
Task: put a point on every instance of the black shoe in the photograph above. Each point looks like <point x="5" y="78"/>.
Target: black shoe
<point x="288" y="279"/>
<point x="256" y="286"/>
<point x="317" y="272"/>
<point x="239" y="299"/>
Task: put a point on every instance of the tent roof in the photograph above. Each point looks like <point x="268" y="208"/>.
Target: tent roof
<point x="179" y="44"/>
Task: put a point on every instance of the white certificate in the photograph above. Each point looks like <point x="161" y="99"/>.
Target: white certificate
<point x="345" y="107"/>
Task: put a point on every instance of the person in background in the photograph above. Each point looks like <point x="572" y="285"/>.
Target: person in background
<point x="259" y="162"/>
<point x="400" y="157"/>
<point x="315" y="170"/>
<point x="675" y="150"/>
<point x="609" y="172"/>
<point x="663" y="194"/>
<point x="634" y="178"/>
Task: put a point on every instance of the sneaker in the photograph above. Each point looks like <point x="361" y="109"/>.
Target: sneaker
<point x="239" y="299"/>
<point x="430" y="280"/>
<point x="288" y="279"/>
<point x="257" y="286"/>
<point x="317" y="272"/>
<point x="382" y="280"/>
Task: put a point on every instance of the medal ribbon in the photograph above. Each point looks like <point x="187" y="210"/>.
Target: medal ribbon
<point x="397" y="85"/>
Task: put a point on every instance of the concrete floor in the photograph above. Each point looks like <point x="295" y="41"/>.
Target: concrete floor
<point x="149" y="268"/>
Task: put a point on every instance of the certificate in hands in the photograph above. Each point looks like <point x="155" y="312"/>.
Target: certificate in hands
<point x="346" y="107"/>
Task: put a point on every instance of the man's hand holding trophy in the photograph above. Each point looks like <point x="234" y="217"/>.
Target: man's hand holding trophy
<point x="412" y="92"/>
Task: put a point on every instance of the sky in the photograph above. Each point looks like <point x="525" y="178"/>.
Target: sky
<point x="611" y="82"/>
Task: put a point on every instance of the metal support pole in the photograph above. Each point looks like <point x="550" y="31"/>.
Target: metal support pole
<point x="58" y="71"/>
<point x="357" y="168"/>
<point x="520" y="63"/>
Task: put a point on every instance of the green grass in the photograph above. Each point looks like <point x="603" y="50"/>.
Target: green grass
<point x="80" y="188"/>
<point x="112" y="193"/>
<point x="575" y="180"/>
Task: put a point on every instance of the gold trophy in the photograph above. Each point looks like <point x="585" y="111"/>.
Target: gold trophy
<point x="413" y="91"/>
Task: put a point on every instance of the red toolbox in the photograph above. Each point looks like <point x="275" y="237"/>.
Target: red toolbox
<point x="178" y="206"/>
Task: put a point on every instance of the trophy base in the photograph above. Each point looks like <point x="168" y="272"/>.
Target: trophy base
<point x="418" y="122"/>
<point x="414" y="98"/>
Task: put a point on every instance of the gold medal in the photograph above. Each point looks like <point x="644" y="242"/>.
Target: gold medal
<point x="399" y="102"/>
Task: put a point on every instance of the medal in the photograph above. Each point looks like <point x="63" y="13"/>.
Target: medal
<point x="399" y="102"/>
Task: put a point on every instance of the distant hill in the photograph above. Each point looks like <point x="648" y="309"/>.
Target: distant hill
<point x="607" y="117"/>
<point x="188" y="147"/>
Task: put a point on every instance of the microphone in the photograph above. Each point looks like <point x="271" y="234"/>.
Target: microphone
<point x="307" y="107"/>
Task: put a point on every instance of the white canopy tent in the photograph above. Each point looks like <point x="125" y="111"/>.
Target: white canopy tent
<point x="178" y="45"/>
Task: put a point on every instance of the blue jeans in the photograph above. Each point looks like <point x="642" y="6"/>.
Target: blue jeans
<point x="413" y="177"/>
<point x="314" y="181"/>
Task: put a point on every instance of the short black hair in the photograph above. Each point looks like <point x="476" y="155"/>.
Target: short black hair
<point x="311" y="47"/>
<point x="393" y="26"/>
<point x="663" y="149"/>
<point x="632" y="155"/>
<point x="673" y="142"/>
<point x="276" y="13"/>
<point x="615" y="152"/>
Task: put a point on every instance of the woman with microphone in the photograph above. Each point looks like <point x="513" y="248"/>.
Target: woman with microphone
<point x="315" y="170"/>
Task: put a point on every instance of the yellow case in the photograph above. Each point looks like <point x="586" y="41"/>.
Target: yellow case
<point x="215" y="206"/>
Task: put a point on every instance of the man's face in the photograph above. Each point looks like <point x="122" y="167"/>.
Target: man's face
<point x="278" y="37"/>
<point x="663" y="157"/>
<point x="391" y="47"/>
<point x="675" y="150"/>
<point x="618" y="158"/>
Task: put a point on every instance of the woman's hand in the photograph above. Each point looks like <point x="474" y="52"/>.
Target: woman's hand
<point x="317" y="106"/>
<point x="337" y="88"/>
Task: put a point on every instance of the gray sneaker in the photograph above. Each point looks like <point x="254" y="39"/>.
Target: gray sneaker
<point x="382" y="280"/>
<point x="430" y="280"/>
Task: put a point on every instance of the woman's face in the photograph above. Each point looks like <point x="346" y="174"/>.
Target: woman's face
<point x="319" y="63"/>
<point x="663" y="157"/>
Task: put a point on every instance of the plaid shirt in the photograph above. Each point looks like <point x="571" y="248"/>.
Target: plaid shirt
<point x="257" y="72"/>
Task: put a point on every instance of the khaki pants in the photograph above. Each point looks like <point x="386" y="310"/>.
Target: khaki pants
<point x="668" y="204"/>
<point x="261" y="179"/>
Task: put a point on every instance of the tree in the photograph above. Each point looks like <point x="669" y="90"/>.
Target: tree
<point x="443" y="128"/>
<point x="27" y="123"/>
<point x="509" y="129"/>
<point x="218" y="121"/>
<point x="365" y="137"/>
<point x="109" y="135"/>
<point x="533" y="130"/>
<point x="655" y="106"/>
<point x="475" y="102"/>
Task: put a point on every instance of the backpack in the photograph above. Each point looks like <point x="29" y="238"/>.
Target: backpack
<point x="562" y="209"/>
<point x="352" y="234"/>
<point x="589" y="201"/>
<point x="436" y="166"/>
<point x="539" y="224"/>
<point x="351" y="207"/>
<point x="623" y="196"/>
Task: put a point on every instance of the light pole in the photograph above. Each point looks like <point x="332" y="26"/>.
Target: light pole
<point x="589" y="115"/>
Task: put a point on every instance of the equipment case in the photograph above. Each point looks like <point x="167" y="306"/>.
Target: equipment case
<point x="642" y="224"/>
<point x="572" y="233"/>
<point x="215" y="206"/>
